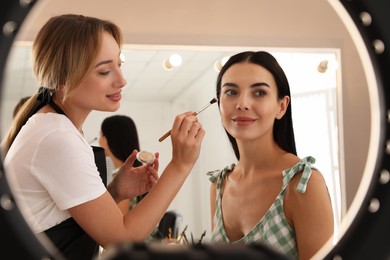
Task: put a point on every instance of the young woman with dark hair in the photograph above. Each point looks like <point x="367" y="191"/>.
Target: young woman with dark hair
<point x="119" y="138"/>
<point x="269" y="195"/>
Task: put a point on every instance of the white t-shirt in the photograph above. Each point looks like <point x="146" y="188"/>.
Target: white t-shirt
<point x="50" y="168"/>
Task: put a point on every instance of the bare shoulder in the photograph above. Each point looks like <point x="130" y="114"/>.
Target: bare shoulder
<point x="315" y="184"/>
<point x="315" y="198"/>
<point x="310" y="213"/>
<point x="316" y="178"/>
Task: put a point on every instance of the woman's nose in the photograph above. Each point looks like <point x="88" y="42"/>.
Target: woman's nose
<point x="121" y="81"/>
<point x="242" y="104"/>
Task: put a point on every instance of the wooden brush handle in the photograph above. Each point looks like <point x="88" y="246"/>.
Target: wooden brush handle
<point x="162" y="138"/>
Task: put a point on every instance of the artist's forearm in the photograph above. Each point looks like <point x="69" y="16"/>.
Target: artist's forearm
<point x="113" y="191"/>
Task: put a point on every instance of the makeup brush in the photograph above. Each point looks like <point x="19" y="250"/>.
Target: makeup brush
<point x="162" y="138"/>
<point x="181" y="234"/>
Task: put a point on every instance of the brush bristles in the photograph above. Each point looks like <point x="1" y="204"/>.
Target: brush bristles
<point x="213" y="100"/>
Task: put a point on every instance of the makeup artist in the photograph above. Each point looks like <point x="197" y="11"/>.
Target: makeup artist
<point x="269" y="195"/>
<point x="51" y="167"/>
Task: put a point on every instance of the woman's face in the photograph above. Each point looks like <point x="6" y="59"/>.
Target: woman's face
<point x="249" y="102"/>
<point x="101" y="89"/>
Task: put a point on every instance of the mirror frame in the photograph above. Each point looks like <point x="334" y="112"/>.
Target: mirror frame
<point x="367" y="234"/>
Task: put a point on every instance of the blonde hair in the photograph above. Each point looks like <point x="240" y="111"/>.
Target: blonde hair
<point x="64" y="52"/>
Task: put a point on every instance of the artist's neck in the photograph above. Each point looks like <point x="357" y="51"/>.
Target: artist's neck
<point x="76" y="114"/>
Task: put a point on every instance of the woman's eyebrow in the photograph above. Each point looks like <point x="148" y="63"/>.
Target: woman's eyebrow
<point x="103" y="62"/>
<point x="257" y="84"/>
<point x="228" y="84"/>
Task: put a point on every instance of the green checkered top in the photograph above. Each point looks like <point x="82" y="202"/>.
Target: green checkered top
<point x="273" y="228"/>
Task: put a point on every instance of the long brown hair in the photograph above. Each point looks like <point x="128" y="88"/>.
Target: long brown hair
<point x="64" y="52"/>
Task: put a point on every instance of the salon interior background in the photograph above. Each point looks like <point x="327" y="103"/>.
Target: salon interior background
<point x="224" y="27"/>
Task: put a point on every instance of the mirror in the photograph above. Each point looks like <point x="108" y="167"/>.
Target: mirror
<point x="356" y="108"/>
<point x="147" y="100"/>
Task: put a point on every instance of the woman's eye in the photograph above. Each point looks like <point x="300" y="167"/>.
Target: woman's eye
<point x="104" y="73"/>
<point x="230" y="92"/>
<point x="260" y="93"/>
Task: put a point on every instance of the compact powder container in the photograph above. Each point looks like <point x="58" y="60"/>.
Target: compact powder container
<point x="145" y="157"/>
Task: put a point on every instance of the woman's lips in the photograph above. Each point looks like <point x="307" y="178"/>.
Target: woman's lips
<point x="115" y="97"/>
<point x="243" y="121"/>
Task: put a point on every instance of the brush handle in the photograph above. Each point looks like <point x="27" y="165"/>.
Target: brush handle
<point x="162" y="138"/>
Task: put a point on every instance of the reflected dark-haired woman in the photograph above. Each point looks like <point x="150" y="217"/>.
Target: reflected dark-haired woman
<point x="119" y="138"/>
<point x="269" y="195"/>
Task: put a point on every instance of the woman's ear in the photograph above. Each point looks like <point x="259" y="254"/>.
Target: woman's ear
<point x="283" y="105"/>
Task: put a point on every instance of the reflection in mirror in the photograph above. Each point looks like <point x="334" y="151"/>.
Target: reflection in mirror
<point x="153" y="96"/>
<point x="313" y="77"/>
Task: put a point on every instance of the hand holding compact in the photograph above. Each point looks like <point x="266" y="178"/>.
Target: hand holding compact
<point x="134" y="181"/>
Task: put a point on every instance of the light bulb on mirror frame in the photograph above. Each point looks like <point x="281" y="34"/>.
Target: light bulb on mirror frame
<point x="122" y="57"/>
<point x="326" y="65"/>
<point x="174" y="61"/>
<point x="219" y="63"/>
